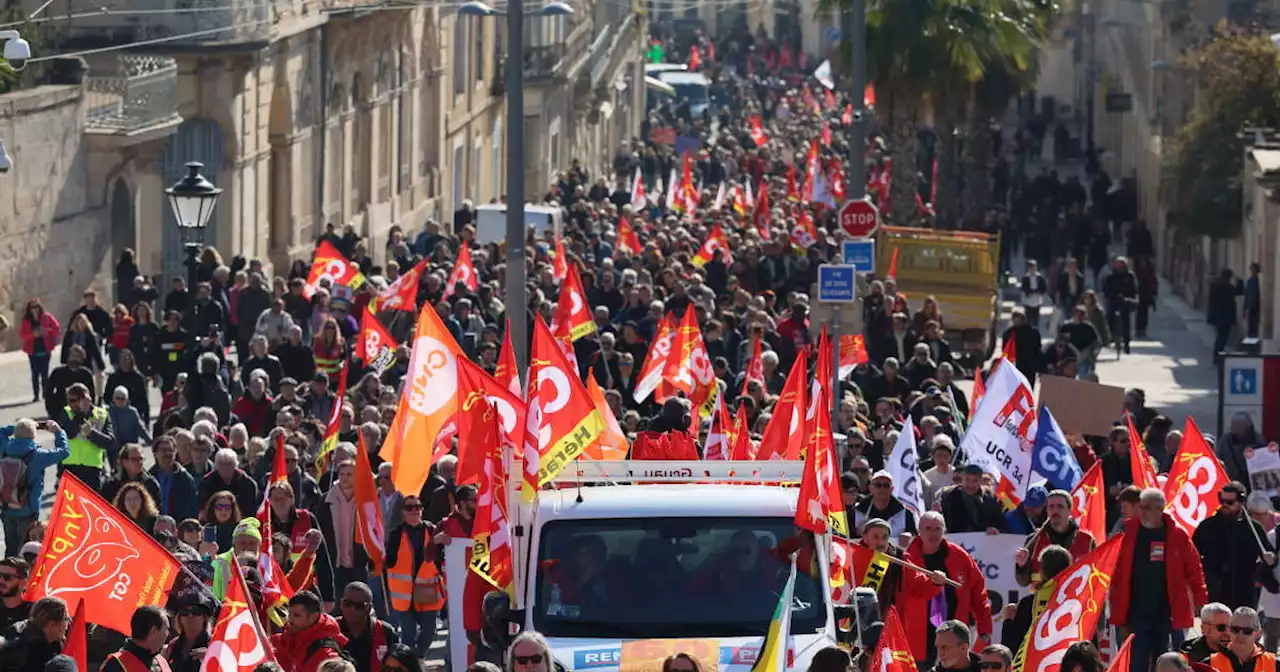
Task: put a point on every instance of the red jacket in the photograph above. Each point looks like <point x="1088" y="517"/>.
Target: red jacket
<point x="1184" y="576"/>
<point x="291" y="647"/>
<point x="52" y="333"/>
<point x="972" y="604"/>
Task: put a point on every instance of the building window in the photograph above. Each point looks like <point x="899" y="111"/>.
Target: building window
<point x="477" y="188"/>
<point x="404" y="124"/>
<point x="430" y="83"/>
<point x="460" y="53"/>
<point x="499" y="186"/>
<point x="478" y="35"/>
<point x="459" y="174"/>
<point x="532" y="144"/>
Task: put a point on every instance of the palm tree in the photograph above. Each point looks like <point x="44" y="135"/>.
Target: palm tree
<point x="923" y="52"/>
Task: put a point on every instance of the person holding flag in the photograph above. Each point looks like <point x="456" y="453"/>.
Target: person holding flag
<point x="1060" y="529"/>
<point x="1230" y="551"/>
<point x="969" y="603"/>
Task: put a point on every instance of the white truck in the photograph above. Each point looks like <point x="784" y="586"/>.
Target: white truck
<point x="667" y="545"/>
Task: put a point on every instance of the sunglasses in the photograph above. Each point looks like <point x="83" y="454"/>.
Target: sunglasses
<point x="222" y="507"/>
<point x="1241" y="630"/>
<point x="535" y="659"/>
<point x="355" y="605"/>
<point x="412" y="507"/>
<point x="991" y="666"/>
<point x="8" y="576"/>
<point x="1230" y="502"/>
<point x="190" y="612"/>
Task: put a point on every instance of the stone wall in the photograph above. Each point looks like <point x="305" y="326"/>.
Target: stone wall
<point x="54" y="224"/>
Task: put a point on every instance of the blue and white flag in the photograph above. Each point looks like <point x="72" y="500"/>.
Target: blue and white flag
<point x="1052" y="456"/>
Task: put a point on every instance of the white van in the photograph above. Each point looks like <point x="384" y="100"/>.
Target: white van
<point x="692" y="85"/>
<point x="491" y="222"/>
<point x="659" y="549"/>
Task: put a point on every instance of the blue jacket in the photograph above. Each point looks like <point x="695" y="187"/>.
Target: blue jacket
<point x="41" y="460"/>
<point x="179" y="500"/>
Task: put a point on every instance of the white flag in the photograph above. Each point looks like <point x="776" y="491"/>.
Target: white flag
<point x="902" y="467"/>
<point x="1001" y="437"/>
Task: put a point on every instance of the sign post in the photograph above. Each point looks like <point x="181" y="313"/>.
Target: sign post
<point x="859" y="218"/>
<point x="1249" y="384"/>
<point x="837" y="285"/>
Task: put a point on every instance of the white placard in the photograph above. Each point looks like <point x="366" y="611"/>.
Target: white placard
<point x="1264" y="471"/>
<point x="994" y="555"/>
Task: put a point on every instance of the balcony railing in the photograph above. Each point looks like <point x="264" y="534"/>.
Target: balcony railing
<point x="131" y="93"/>
<point x="182" y="23"/>
<point x="541" y="61"/>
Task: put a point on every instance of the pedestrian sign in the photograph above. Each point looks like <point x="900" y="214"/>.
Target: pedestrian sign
<point x="837" y="283"/>
<point x="1243" y="381"/>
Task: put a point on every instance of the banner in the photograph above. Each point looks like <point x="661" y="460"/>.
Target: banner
<point x="92" y="552"/>
<point x="994" y="555"/>
<point x="1264" y="470"/>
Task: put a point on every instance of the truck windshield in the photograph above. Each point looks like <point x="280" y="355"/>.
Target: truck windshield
<point x="695" y="93"/>
<point x="671" y="577"/>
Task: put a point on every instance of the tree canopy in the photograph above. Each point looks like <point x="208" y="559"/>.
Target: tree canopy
<point x="1238" y="79"/>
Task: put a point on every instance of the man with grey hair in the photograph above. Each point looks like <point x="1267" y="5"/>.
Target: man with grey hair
<point x="227" y="475"/>
<point x="969" y="603"/>
<point x="952" y="641"/>
<point x="1215" y="618"/>
<point x="1157" y="584"/>
<point x="1243" y="653"/>
<point x="1172" y="662"/>
<point x="23" y="464"/>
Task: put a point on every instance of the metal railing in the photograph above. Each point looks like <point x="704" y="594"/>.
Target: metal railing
<point x="138" y="92"/>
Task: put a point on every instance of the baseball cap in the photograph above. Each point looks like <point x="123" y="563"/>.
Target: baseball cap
<point x="882" y="474"/>
<point x="1036" y="496"/>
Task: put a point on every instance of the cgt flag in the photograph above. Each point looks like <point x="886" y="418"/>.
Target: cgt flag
<point x="893" y="650"/>
<point x="93" y="553"/>
<point x="1072" y="612"/>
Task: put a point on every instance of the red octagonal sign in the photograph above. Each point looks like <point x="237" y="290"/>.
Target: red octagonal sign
<point x="859" y="218"/>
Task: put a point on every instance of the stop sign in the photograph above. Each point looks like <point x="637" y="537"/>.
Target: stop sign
<point x="859" y="218"/>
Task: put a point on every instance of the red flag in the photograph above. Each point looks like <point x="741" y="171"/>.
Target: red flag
<point x="786" y="424"/>
<point x="329" y="264"/>
<point x="893" y="265"/>
<point x="1088" y="502"/>
<point x="335" y="421"/>
<point x="756" y="129"/>
<point x="755" y="367"/>
<point x="627" y="238"/>
<point x="370" y="531"/>
<point x="375" y="347"/>
<point x="893" y="650"/>
<point x="77" y="645"/>
<point x="1121" y="662"/>
<point x="655" y="362"/>
<point x="820" y="508"/>
<point x="562" y="421"/>
<point x="477" y="392"/>
<point x="853" y="351"/>
<point x="1194" y="480"/>
<point x="560" y="261"/>
<point x="239" y="643"/>
<point x="846" y="117"/>
<point x="572" y="318"/>
<point x="760" y="216"/>
<point x="793" y="192"/>
<point x="94" y="553"/>
<point x="742" y="448"/>
<point x="279" y="474"/>
<point x="695" y="59"/>
<point x="716" y="241"/>
<point x="1144" y="475"/>
<point x="718" y="434"/>
<point x="491" y="556"/>
<point x="505" y="373"/>
<point x="464" y="272"/>
<point x="401" y="294"/>
<point x="1075" y="605"/>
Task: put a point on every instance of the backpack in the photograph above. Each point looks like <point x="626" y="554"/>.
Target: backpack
<point x="14" y="486"/>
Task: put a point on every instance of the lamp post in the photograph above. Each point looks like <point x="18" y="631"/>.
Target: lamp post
<point x="192" y="199"/>
<point x="516" y="299"/>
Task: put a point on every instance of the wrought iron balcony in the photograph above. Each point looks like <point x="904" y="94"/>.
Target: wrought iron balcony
<point x="131" y="93"/>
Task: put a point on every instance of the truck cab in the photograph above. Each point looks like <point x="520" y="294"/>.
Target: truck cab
<point x="631" y="551"/>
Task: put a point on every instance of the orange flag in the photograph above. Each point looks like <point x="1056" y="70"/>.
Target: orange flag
<point x="238" y="644"/>
<point x="428" y="403"/>
<point x="560" y="261"/>
<point x="979" y="389"/>
<point x="742" y="448"/>
<point x="1194" y="480"/>
<point x="573" y="315"/>
<point x="1144" y="475"/>
<point x="77" y="645"/>
<point x="279" y="473"/>
<point x="1121" y="662"/>
<point x="1080" y="590"/>
<point x="782" y="435"/>
<point x="1010" y="351"/>
<point x="370" y="530"/>
<point x="93" y="554"/>
<point x="893" y="265"/>
<point x="1089" y="505"/>
<point x="715" y="242"/>
<point x="853" y="351"/>
<point x="650" y="380"/>
<point x="477" y="393"/>
<point x="562" y="421"/>
<point x="612" y="444"/>
<point x="893" y="651"/>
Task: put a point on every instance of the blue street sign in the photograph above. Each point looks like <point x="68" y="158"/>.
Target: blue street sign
<point x="837" y="283"/>
<point x="860" y="253"/>
<point x="833" y="35"/>
<point x="1244" y="381"/>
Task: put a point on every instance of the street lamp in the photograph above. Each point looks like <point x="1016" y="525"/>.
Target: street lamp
<point x="517" y="273"/>
<point x="192" y="199"/>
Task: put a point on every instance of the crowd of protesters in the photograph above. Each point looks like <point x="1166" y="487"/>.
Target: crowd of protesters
<point x="245" y="359"/>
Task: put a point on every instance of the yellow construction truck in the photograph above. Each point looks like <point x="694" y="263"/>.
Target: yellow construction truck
<point x="958" y="268"/>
